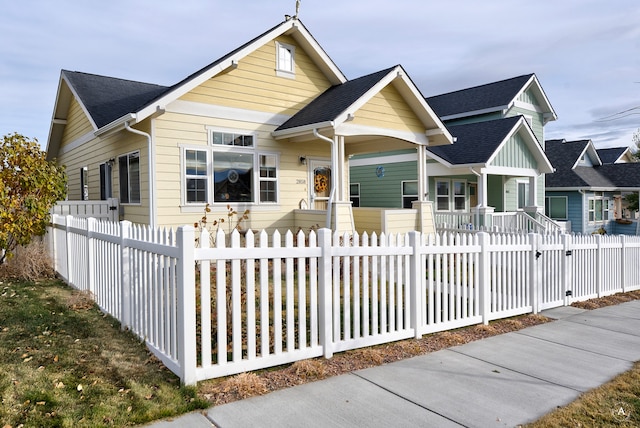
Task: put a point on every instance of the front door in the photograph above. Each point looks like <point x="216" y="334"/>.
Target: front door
<point x="319" y="183"/>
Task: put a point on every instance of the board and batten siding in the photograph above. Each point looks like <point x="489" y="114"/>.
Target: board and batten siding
<point x="254" y="85"/>
<point x="515" y="154"/>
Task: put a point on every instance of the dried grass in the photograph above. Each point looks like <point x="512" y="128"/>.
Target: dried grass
<point x="30" y="263"/>
<point x="244" y="385"/>
<point x="81" y="300"/>
<point x="309" y="369"/>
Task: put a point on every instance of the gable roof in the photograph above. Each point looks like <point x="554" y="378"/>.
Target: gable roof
<point x="108" y="103"/>
<point x="334" y="101"/>
<point x="478" y="143"/>
<point x="339" y="103"/>
<point x="107" y="98"/>
<point x="612" y="155"/>
<point x="564" y="156"/>
<point x="488" y="98"/>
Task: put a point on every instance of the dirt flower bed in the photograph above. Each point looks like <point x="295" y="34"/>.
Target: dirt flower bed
<point x="245" y="385"/>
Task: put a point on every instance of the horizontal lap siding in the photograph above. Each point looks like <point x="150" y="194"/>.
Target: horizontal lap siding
<point x="388" y="109"/>
<point x="253" y="86"/>
<point x="99" y="151"/>
<point x="77" y="124"/>
<point x="385" y="191"/>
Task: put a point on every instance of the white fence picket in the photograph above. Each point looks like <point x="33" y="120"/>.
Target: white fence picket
<point x="209" y="311"/>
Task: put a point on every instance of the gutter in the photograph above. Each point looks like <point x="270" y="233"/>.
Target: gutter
<point x="333" y="174"/>
<point x="151" y="156"/>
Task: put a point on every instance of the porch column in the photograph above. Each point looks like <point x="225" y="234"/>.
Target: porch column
<point x="423" y="178"/>
<point x="341" y="212"/>
<point x="424" y="208"/>
<point x="532" y="207"/>
<point x="483" y="212"/>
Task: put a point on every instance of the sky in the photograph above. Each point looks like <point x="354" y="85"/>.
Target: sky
<point x="585" y="53"/>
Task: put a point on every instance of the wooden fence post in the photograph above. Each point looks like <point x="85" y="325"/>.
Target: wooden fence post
<point x="485" y="277"/>
<point x="416" y="279"/>
<point x="185" y="240"/>
<point x="125" y="275"/>
<point x="325" y="287"/>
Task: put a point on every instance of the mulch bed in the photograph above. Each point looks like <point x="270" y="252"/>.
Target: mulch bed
<point x="226" y="390"/>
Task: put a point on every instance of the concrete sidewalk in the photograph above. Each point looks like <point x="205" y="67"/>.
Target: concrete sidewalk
<point x="504" y="380"/>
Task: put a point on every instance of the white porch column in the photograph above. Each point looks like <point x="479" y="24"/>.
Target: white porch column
<point x="482" y="190"/>
<point x="423" y="178"/>
<point x="532" y="203"/>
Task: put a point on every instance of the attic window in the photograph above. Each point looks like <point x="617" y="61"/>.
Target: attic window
<point x="285" y="60"/>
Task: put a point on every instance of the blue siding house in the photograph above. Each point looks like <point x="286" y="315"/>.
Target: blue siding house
<point x="587" y="190"/>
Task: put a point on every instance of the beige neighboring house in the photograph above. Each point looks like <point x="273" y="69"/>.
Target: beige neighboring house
<point x="269" y="127"/>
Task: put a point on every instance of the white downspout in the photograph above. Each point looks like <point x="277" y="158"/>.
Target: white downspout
<point x="151" y="179"/>
<point x="333" y="174"/>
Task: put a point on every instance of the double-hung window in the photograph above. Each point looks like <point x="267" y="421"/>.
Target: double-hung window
<point x="129" y="173"/>
<point x="268" y="178"/>
<point x="409" y="193"/>
<point x="598" y="208"/>
<point x="195" y="162"/>
<point x="523" y="194"/>
<point x="442" y="195"/>
<point x="354" y="194"/>
<point x="451" y="195"/>
<point x="459" y="195"/>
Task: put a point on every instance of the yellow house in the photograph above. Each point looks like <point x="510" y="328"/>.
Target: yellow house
<point x="268" y="128"/>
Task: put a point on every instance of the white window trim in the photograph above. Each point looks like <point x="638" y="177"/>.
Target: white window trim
<point x="605" y="207"/>
<point x="211" y="150"/>
<point x="451" y="196"/>
<point x="129" y="184"/>
<point x="183" y="177"/>
<point x="526" y="195"/>
<point x="281" y="72"/>
<point x="259" y="179"/>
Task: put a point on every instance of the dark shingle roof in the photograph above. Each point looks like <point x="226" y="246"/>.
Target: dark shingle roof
<point x="610" y="155"/>
<point x="107" y="98"/>
<point x="491" y="95"/>
<point x="334" y="101"/>
<point x="563" y="155"/>
<point x="475" y="142"/>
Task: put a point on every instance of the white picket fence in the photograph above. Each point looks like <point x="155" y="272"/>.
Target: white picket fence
<point x="301" y="296"/>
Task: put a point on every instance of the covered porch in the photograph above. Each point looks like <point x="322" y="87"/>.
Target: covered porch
<point x="373" y="114"/>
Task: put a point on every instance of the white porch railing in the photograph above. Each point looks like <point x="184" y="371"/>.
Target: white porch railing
<point x="259" y="301"/>
<point x="506" y="222"/>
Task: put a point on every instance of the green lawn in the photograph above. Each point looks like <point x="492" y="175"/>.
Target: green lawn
<point x="64" y="363"/>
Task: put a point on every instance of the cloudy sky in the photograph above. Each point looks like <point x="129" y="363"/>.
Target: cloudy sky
<point x="586" y="53"/>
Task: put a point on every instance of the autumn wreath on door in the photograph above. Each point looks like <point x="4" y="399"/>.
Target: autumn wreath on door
<point x="321" y="177"/>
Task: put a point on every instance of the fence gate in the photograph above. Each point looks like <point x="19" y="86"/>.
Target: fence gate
<point x="102" y="210"/>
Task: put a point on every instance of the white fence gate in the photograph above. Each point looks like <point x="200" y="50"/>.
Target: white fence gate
<point x="102" y="210"/>
<point x="258" y="301"/>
